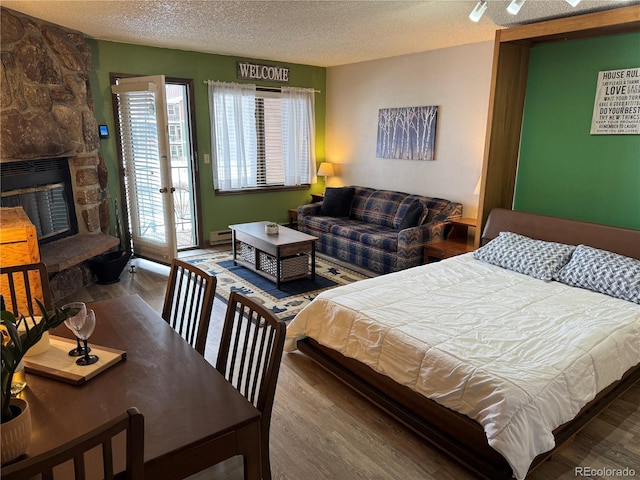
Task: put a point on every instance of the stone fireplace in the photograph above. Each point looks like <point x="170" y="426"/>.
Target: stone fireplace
<point x="46" y="112"/>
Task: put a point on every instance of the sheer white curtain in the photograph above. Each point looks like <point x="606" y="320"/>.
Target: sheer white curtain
<point x="298" y="136"/>
<point x="232" y="108"/>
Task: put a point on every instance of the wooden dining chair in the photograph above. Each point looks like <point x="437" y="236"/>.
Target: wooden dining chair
<point x="42" y="466"/>
<point x="21" y="285"/>
<point x="188" y="302"/>
<point x="249" y="358"/>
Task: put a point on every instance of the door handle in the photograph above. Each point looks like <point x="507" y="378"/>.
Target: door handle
<point x="163" y="190"/>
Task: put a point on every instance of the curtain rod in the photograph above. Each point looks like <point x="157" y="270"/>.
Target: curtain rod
<point x="265" y="89"/>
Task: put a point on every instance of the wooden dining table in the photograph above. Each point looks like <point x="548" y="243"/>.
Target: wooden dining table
<point x="193" y="417"/>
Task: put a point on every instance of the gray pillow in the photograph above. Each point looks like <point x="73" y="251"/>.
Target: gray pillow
<point x="602" y="271"/>
<point x="536" y="258"/>
<point x="413" y="215"/>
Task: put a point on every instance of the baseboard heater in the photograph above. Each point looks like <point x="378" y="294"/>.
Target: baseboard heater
<point x="220" y="237"/>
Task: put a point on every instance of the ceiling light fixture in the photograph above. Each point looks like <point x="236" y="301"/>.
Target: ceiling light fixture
<point x="573" y="3"/>
<point x="515" y="6"/>
<point x="478" y="11"/>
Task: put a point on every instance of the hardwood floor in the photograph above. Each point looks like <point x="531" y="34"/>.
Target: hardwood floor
<point x="322" y="430"/>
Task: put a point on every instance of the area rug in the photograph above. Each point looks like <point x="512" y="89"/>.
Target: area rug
<point x="285" y="303"/>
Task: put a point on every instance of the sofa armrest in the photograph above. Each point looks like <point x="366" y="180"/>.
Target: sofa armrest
<point x="411" y="242"/>
<point x="422" y="234"/>
<point x="309" y="209"/>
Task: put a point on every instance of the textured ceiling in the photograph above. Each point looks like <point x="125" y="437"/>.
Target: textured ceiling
<point x="323" y="33"/>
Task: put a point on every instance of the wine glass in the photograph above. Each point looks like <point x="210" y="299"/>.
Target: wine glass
<point x="83" y="333"/>
<point x="78" y="314"/>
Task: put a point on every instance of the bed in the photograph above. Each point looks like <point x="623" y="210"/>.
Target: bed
<point x="496" y="365"/>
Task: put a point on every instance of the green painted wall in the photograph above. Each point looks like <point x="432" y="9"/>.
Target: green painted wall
<point x="217" y="211"/>
<point x="563" y="170"/>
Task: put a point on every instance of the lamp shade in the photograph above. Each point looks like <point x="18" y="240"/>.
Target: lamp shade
<point x="476" y="191"/>
<point x="325" y="169"/>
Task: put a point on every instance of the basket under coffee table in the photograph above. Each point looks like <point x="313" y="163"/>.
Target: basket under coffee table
<point x="281" y="257"/>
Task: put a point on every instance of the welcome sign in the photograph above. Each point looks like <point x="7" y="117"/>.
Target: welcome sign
<point x="270" y="73"/>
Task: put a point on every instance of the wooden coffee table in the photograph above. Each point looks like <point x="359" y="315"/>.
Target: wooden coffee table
<point x="280" y="258"/>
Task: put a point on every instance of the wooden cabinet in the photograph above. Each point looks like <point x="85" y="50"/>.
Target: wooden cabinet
<point x="18" y="238"/>
<point x="508" y="88"/>
<point x="18" y="246"/>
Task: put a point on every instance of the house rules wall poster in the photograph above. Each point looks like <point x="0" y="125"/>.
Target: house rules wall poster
<point x="616" y="109"/>
<point x="407" y="133"/>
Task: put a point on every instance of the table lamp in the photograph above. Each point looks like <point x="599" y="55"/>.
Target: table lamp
<point x="325" y="170"/>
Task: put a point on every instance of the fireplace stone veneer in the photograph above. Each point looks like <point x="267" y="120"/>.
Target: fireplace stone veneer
<point x="46" y="111"/>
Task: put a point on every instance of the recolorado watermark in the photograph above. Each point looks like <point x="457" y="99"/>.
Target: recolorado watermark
<point x="604" y="472"/>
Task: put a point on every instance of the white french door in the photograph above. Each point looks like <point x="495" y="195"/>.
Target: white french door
<point x="144" y="147"/>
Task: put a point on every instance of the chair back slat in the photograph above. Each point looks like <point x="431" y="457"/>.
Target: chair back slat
<point x="107" y="460"/>
<point x="78" y="466"/>
<point x="188" y="302"/>
<point x="249" y="358"/>
<point x="42" y="466"/>
<point x="22" y="285"/>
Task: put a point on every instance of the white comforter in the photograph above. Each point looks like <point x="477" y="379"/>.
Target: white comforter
<point x="518" y="355"/>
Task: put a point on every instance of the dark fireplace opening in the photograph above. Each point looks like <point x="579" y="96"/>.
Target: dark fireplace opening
<point x="44" y="189"/>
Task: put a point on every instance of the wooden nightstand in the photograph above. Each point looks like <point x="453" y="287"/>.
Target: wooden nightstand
<point x="293" y="217"/>
<point x="457" y="242"/>
<point x="317" y="197"/>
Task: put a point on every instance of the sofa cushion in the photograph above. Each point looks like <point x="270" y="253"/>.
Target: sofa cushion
<point x="440" y="210"/>
<point x="381" y="207"/>
<point x="385" y="238"/>
<point x="315" y="223"/>
<point x="337" y="202"/>
<point x="387" y="241"/>
<point x="360" y="198"/>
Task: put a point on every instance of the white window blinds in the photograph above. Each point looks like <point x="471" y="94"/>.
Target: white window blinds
<point x="140" y="149"/>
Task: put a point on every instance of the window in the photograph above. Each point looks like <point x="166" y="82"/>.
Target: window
<point x="177" y="152"/>
<point x="175" y="133"/>
<point x="261" y="139"/>
<point x="173" y="111"/>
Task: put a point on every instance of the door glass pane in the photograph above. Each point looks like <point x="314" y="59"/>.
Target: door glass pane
<point x="181" y="174"/>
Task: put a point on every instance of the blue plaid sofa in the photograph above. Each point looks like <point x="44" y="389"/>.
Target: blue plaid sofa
<point x="369" y="236"/>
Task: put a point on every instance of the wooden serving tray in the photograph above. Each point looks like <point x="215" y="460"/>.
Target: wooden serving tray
<point x="57" y="364"/>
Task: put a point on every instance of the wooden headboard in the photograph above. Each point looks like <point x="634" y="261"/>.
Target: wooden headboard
<point x="552" y="229"/>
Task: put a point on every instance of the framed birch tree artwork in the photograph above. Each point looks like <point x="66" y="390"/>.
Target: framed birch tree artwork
<point x="407" y="133"/>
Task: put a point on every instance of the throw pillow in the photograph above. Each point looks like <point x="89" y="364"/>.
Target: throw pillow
<point x="602" y="271"/>
<point x="536" y="258"/>
<point x="412" y="216"/>
<point x="337" y="202"/>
